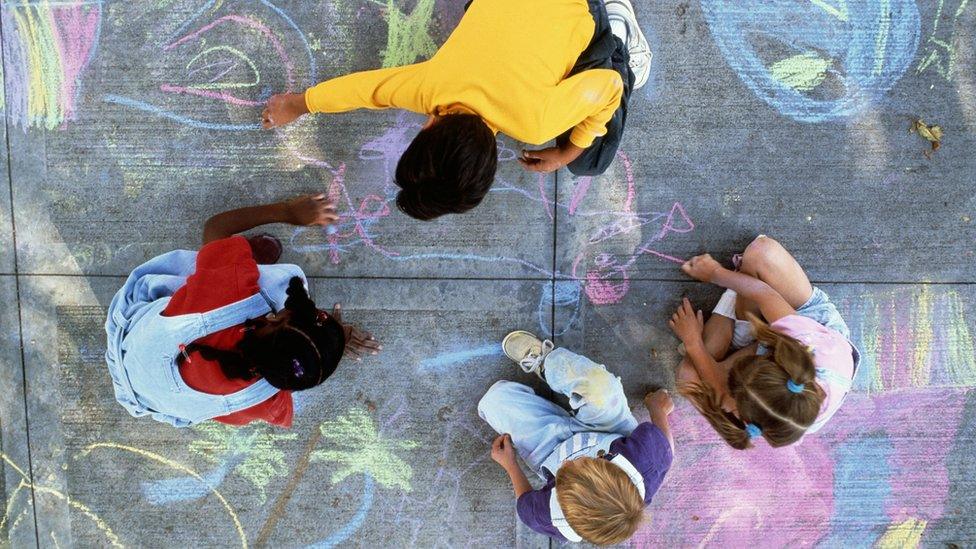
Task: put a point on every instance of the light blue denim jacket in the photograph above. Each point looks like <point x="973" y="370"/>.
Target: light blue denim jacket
<point x="143" y="345"/>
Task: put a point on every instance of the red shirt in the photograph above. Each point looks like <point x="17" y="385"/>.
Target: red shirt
<point x="225" y="272"/>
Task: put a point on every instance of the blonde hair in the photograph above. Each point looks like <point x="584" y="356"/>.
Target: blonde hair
<point x="599" y="500"/>
<point x="758" y="384"/>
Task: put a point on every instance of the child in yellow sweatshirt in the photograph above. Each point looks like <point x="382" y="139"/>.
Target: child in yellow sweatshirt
<point x="536" y="71"/>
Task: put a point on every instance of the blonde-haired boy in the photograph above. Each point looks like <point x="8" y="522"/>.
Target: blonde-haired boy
<point x="601" y="468"/>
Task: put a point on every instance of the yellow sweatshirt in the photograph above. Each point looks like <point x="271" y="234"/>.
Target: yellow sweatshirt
<point x="507" y="61"/>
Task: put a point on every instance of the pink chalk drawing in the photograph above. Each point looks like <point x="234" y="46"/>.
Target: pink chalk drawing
<point x="605" y="277"/>
<point x="48" y="47"/>
<point x="879" y="468"/>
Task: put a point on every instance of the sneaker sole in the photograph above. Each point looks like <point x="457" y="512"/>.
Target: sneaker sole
<point x="512" y="335"/>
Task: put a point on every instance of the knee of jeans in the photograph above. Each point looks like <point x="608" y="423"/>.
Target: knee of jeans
<point x="493" y="396"/>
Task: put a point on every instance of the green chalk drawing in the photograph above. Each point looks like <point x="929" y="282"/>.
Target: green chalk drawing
<point x="408" y="36"/>
<point x="258" y="442"/>
<point x="940" y="54"/>
<point x="356" y="445"/>
<point x="802" y="72"/>
<point x="838" y="12"/>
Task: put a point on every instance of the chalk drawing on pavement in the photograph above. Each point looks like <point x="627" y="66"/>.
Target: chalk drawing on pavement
<point x="47" y="47"/>
<point x="861" y="48"/>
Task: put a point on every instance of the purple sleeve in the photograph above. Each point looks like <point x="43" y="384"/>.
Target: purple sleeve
<point x="533" y="510"/>
<point x="650" y="453"/>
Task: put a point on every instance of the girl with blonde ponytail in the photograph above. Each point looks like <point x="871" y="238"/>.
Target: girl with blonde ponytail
<point x="791" y="363"/>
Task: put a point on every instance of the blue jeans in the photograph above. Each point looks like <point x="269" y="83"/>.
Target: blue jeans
<point x="538" y="425"/>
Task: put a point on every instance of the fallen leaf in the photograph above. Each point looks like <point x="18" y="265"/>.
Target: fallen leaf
<point x="932" y="134"/>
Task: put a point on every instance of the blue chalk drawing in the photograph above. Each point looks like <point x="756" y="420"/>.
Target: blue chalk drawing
<point x="159" y="111"/>
<point x="859" y="498"/>
<point x="355" y="522"/>
<point x="441" y="362"/>
<point x="174" y="490"/>
<point x="866" y="44"/>
<point x="564" y="294"/>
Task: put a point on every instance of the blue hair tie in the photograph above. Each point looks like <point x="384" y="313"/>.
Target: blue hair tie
<point x="795" y="387"/>
<point x="297" y="367"/>
<point x="753" y="430"/>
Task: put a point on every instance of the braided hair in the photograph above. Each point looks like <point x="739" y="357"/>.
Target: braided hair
<point x="776" y="394"/>
<point x="298" y="355"/>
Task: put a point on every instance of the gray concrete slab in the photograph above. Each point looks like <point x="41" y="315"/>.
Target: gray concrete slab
<point x="838" y="175"/>
<point x="788" y="118"/>
<point x="16" y="491"/>
<point x="6" y="219"/>
<point x="894" y="461"/>
<point x="144" y="158"/>
<point x="412" y="408"/>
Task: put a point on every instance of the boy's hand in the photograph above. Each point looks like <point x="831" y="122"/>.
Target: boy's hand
<point x="686" y="323"/>
<point x="358" y="342"/>
<point x="312" y="209"/>
<point x="283" y="108"/>
<point x="701" y="267"/>
<point x="544" y="161"/>
<point x="659" y="400"/>
<point x="503" y="452"/>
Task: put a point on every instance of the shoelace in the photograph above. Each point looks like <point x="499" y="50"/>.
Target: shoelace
<point x="532" y="362"/>
<point x="633" y="43"/>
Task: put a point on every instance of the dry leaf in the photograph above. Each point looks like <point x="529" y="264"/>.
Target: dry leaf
<point x="933" y="134"/>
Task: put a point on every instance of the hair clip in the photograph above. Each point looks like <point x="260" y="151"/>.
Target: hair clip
<point x="296" y="367"/>
<point x="186" y="356"/>
<point x="795" y="387"/>
<point x="753" y="430"/>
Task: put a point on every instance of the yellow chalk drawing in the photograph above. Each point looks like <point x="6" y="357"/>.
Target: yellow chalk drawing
<point x="356" y="445"/>
<point x="940" y="52"/>
<point x="802" y="72"/>
<point x="11" y="499"/>
<point x="838" y="12"/>
<point x="921" y="339"/>
<point x="174" y="465"/>
<point x="407" y="36"/>
<point x="25" y="482"/>
<point x="263" y="460"/>
<point x="903" y="535"/>
<point x="226" y="85"/>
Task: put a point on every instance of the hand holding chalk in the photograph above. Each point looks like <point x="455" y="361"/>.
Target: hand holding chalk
<point x="701" y="267"/>
<point x="283" y="108"/>
<point x="503" y="452"/>
<point x="313" y="209"/>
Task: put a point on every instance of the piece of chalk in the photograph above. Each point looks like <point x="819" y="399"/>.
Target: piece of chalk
<point x="331" y="230"/>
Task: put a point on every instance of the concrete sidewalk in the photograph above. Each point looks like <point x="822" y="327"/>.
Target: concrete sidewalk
<point x="129" y="123"/>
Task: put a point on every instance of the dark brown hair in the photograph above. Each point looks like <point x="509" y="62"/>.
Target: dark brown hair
<point x="297" y="356"/>
<point x="448" y="168"/>
<point x="758" y="384"/>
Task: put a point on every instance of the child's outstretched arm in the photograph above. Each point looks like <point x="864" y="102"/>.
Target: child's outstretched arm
<point x="503" y="453"/>
<point x="660" y="405"/>
<point x="771" y="303"/>
<point x="303" y="210"/>
<point x="395" y="87"/>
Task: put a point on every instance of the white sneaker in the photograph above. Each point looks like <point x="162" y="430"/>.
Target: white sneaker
<point x="637" y="46"/>
<point x="528" y="351"/>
